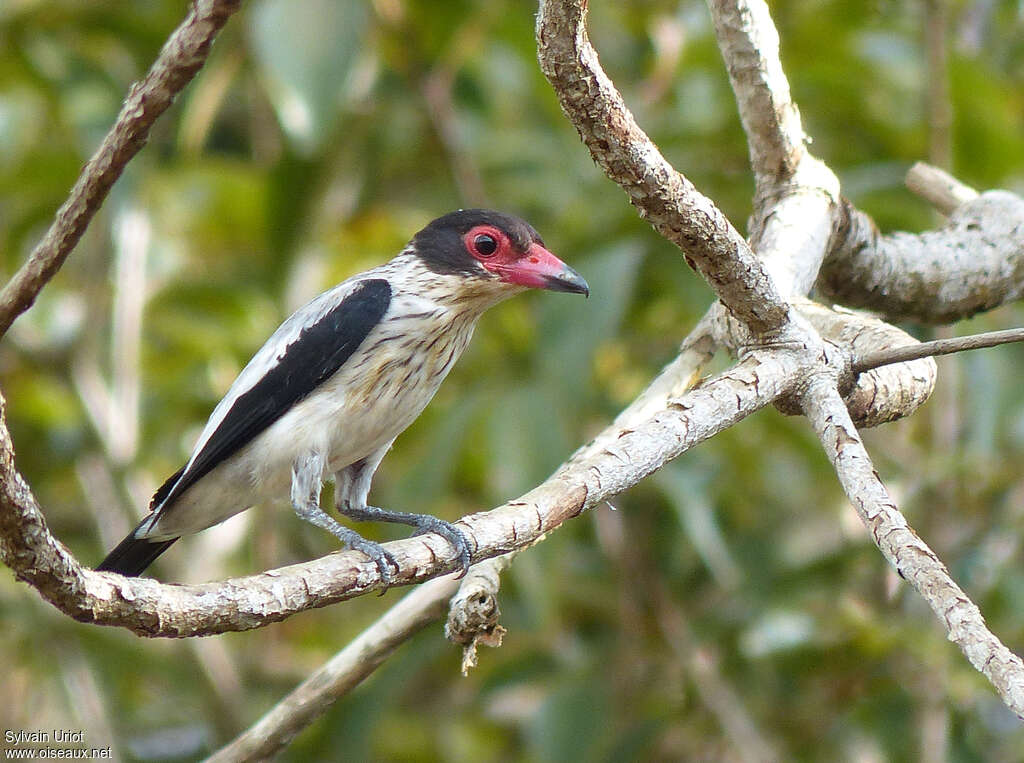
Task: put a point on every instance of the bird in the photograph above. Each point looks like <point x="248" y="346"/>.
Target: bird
<point x="327" y="394"/>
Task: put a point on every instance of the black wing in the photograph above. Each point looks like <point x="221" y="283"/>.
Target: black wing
<point x="313" y="356"/>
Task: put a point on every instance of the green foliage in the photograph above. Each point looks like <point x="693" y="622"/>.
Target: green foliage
<point x="318" y="138"/>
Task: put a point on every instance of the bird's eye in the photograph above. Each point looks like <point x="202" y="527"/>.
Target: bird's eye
<point x="485" y="244"/>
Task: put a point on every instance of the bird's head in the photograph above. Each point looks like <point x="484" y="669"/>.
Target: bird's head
<point x="498" y="252"/>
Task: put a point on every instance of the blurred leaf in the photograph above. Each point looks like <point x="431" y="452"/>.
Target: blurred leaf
<point x="307" y="57"/>
<point x="686" y="487"/>
<point x="573" y="724"/>
<point x="571" y="331"/>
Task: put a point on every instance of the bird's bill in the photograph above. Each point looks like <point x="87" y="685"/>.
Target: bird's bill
<point x="540" y="269"/>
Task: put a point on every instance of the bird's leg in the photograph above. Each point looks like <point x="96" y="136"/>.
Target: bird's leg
<point x="351" y="488"/>
<point x="307" y="480"/>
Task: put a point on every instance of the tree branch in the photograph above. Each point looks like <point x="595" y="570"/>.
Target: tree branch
<point x="150" y="608"/>
<point x="473" y="599"/>
<point x="792" y="186"/>
<point x="938" y="187"/>
<point x="796" y="210"/>
<point x="313" y="697"/>
<point x="884" y="357"/>
<point x="903" y="549"/>
<point x="666" y="199"/>
<point x="749" y="44"/>
<point x="181" y="57"/>
<point x="879" y="395"/>
<point x="796" y="207"/>
<point x="473" y="616"/>
<point x="974" y="263"/>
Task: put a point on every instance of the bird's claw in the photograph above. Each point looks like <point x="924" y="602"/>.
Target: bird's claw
<point x="378" y="555"/>
<point x="424" y="523"/>
<point x="450" y="533"/>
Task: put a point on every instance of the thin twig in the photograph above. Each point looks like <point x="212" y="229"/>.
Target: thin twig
<point x="719" y="696"/>
<point x="936" y="347"/>
<point x="937" y="186"/>
<point x="181" y="57"/>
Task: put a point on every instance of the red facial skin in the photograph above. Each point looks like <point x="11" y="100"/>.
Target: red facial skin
<point x="536" y="268"/>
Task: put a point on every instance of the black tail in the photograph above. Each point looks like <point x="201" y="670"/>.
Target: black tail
<point x="133" y="555"/>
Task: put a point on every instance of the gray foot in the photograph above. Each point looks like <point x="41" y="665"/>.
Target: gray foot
<point x="424" y="523"/>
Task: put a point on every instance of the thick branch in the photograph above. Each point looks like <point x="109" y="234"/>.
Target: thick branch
<point x="661" y="194"/>
<point x="902" y="547"/>
<point x="974" y="263"/>
<point x="749" y="43"/>
<point x="798" y="196"/>
<point x="795" y="195"/>
<point x="154" y="609"/>
<point x="796" y="205"/>
<point x="879" y="395"/>
<point x="473" y="600"/>
<point x="181" y="57"/>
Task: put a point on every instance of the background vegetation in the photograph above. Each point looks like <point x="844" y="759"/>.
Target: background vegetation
<point x="319" y="137"/>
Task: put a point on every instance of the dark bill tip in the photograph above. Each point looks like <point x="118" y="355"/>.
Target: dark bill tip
<point x="568" y="281"/>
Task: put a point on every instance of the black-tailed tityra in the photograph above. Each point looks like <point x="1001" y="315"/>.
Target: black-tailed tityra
<point x="340" y="380"/>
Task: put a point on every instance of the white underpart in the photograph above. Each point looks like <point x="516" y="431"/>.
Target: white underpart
<point x="357" y="412"/>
